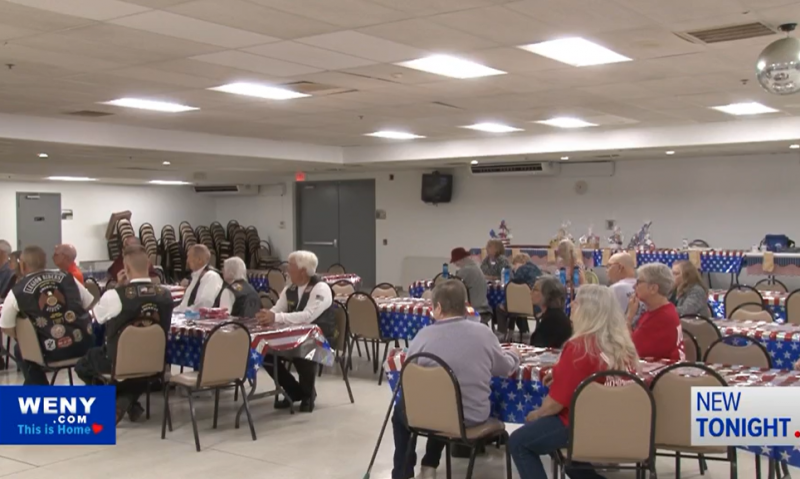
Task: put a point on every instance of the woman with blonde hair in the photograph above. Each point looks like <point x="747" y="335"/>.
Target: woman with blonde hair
<point x="495" y="260"/>
<point x="600" y="341"/>
<point x="690" y="295"/>
<point x="572" y="261"/>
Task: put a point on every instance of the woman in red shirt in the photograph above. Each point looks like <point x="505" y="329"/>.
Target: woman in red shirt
<point x="658" y="332"/>
<point x="601" y="341"/>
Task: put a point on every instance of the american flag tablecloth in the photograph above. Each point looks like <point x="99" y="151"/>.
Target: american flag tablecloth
<point x="711" y="261"/>
<point x="781" y="340"/>
<point x="775" y="302"/>
<point x="514" y="397"/>
<point x="784" y="264"/>
<point x="495" y="292"/>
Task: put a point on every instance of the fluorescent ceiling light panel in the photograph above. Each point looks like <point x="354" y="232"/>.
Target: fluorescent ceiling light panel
<point x="576" y="51"/>
<point x="670" y="152"/>
<point x="492" y="127"/>
<point x="565" y="157"/>
<point x="394" y="135"/>
<point x="473" y="162"/>
<point x="43" y="155"/>
<point x="70" y="178"/>
<point x="150" y="105"/>
<point x="566" y="122"/>
<point x="168" y="182"/>
<point x="259" y="91"/>
<point x="450" y="66"/>
<point x="794" y="147"/>
<point x="750" y="108"/>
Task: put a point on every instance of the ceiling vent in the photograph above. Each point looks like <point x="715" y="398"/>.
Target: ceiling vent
<point x="728" y="34"/>
<point x="516" y="169"/>
<point x="316" y="89"/>
<point x="227" y="190"/>
<point x="88" y="113"/>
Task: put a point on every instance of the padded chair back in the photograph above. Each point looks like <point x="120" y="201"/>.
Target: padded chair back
<point x="708" y="311"/>
<point x="793" y="307"/>
<point x="266" y="300"/>
<point x="518" y="299"/>
<point x="341" y="324"/>
<point x="336" y="269"/>
<point x="612" y="423"/>
<point x="431" y="395"/>
<point x="690" y="347"/>
<point x="751" y="312"/>
<point x="364" y="316"/>
<point x="591" y="277"/>
<point x="438" y="279"/>
<point x="276" y="279"/>
<point x="427" y="294"/>
<point x="753" y="354"/>
<point x="705" y="332"/>
<point x="739" y="295"/>
<point x="384" y="290"/>
<point x="343" y="288"/>
<point x="94" y="288"/>
<point x="141" y="352"/>
<point x="225" y="354"/>
<point x="773" y="286"/>
<point x="28" y="341"/>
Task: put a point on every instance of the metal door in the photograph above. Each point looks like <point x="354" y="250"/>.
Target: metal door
<point x="318" y="225"/>
<point x="39" y="222"/>
<point x="357" y="229"/>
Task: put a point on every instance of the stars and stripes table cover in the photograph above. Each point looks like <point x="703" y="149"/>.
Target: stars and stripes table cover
<point x="513" y="397"/>
<point x="495" y="292"/>
<point x="781" y="340"/>
<point x="784" y="264"/>
<point x="591" y="258"/>
<point x="775" y="302"/>
<point x="711" y="261"/>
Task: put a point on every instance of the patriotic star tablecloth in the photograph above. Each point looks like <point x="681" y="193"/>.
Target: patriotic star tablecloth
<point x="591" y="258"/>
<point x="775" y="302"/>
<point x="513" y="397"/>
<point x="712" y="261"/>
<point x="495" y="292"/>
<point x="781" y="340"/>
<point x="785" y="264"/>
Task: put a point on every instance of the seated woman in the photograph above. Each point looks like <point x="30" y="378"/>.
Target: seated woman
<point x="572" y="261"/>
<point x="690" y="295"/>
<point x="523" y="272"/>
<point x="658" y="333"/>
<point x="495" y="260"/>
<point x="601" y="341"/>
<point x="554" y="327"/>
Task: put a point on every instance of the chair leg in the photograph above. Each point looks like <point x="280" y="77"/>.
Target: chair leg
<point x="734" y="460"/>
<point x="703" y="464"/>
<point x="385" y="355"/>
<point x="247" y="410"/>
<point x="69" y="373"/>
<point x="374" y="356"/>
<point x="194" y="421"/>
<point x="448" y="466"/>
<point x="147" y="401"/>
<point x="358" y="347"/>
<point x="216" y="408"/>
<point x="346" y="380"/>
<point x="471" y="465"/>
<point x="678" y="465"/>
<point x="235" y="394"/>
<point x="166" y="414"/>
<point x="319" y="373"/>
<point x="758" y="466"/>
<point x="53" y="379"/>
<point x="508" y="456"/>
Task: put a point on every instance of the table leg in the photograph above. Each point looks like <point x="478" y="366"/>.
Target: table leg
<point x="275" y="392"/>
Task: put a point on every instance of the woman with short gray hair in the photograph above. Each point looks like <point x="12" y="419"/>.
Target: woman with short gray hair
<point x="658" y="332"/>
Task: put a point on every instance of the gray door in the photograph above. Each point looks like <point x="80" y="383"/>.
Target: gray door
<point x="39" y="221"/>
<point x="318" y="229"/>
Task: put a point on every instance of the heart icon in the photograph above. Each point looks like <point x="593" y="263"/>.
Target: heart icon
<point x="97" y="428"/>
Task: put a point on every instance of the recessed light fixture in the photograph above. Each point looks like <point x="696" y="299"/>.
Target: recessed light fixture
<point x="259" y="91"/>
<point x="794" y="147"/>
<point x="394" y="135"/>
<point x="168" y="182"/>
<point x="749" y="108"/>
<point x="153" y="105"/>
<point x="473" y="162"/>
<point x="166" y="163"/>
<point x="566" y="122"/>
<point x="43" y="155"/>
<point x="492" y="127"/>
<point x="670" y="152"/>
<point x="70" y="178"/>
<point x="450" y="66"/>
<point x="575" y="51"/>
<point x="565" y="157"/>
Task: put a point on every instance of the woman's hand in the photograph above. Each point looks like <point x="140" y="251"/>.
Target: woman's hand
<point x="532" y="416"/>
<point x="548" y="379"/>
<point x="633" y="307"/>
<point x="797" y="365"/>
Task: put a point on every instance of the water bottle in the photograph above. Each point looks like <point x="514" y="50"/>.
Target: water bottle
<point x="562" y="275"/>
<point x="506" y="276"/>
<point x="445" y="270"/>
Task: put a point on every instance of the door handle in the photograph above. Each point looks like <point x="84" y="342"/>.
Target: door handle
<point x="334" y="243"/>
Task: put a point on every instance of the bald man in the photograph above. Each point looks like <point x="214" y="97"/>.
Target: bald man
<point x="57" y="305"/>
<point x="206" y="282"/>
<point x="621" y="270"/>
<point x="64" y="258"/>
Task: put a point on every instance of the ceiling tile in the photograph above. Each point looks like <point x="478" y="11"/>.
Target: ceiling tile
<point x="678" y="86"/>
<point x="345" y="80"/>
<point x="156" y="3"/>
<point x="364" y="46"/>
<point x="515" y="60"/>
<point x="497" y="24"/>
<point x="675" y="11"/>
<point x="396" y="74"/>
<point x="34" y="19"/>
<point x="255" y="18"/>
<point x="22" y="54"/>
<point x="580" y="17"/>
<point x="344" y="13"/>
<point x="308" y="55"/>
<point x="619" y="91"/>
<point x="424" y="8"/>
<point x="160" y="76"/>
<point x="92" y="9"/>
<point x="8" y="32"/>
<point x="255" y="63"/>
<point x="644" y="43"/>
<point x="56" y="42"/>
<point x="169" y="47"/>
<point x="219" y="73"/>
<point x="427" y="35"/>
<point x="178" y="26"/>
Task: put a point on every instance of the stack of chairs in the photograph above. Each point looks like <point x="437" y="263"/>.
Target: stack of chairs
<point x="253" y="241"/>
<point x="173" y="260"/>
<point x="222" y="246"/>
<point x="147" y="236"/>
<point x="239" y="241"/>
<point x="204" y="237"/>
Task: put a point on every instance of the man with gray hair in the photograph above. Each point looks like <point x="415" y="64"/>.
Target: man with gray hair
<point x="206" y="282"/>
<point x="7" y="275"/>
<point x="658" y="334"/>
<point x="64" y="258"/>
<point x="473" y="353"/>
<point x="237" y="295"/>
<point x="621" y="270"/>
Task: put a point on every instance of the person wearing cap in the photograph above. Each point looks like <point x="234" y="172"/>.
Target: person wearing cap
<point x="470" y="273"/>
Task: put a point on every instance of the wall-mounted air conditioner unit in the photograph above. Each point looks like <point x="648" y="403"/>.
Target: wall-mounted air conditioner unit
<point x="538" y="168"/>
<point x="227" y="190"/>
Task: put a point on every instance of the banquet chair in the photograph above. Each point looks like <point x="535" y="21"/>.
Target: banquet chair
<point x="339" y="343"/>
<point x="461" y="282"/>
<point x="611" y="425"/>
<point x="709" y="311"/>
<point x="704" y="330"/>
<point x="753" y="354"/>
<point x="31" y="350"/>
<point x="275" y="279"/>
<point x="384" y="290"/>
<point x="518" y="303"/>
<point x="752" y="312"/>
<point x="266" y="300"/>
<point x="94" y="288"/>
<point x="440" y="278"/>
<point x="336" y="268"/>
<point x="772" y="285"/>
<point x="793" y="307"/>
<point x="141" y="356"/>
<point x="365" y="325"/>
<point x="591" y="277"/>
<point x="427" y="294"/>
<point x="433" y="409"/>
<point x="223" y="364"/>
<point x="343" y="288"/>
<point x="284" y="267"/>
<point x="690" y="347"/>
<point x="672" y="391"/>
<point x="741" y="294"/>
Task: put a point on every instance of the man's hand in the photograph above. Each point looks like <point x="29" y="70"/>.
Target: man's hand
<point x="514" y="350"/>
<point x="122" y="278"/>
<point x="265" y="317"/>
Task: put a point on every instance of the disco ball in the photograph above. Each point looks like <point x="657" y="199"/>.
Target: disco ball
<point x="778" y="67"/>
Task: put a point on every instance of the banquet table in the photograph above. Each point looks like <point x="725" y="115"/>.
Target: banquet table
<point x="513" y="397"/>
<point x="781" y="340"/>
<point x="775" y="302"/>
<point x="494" y="291"/>
<point x="784" y="264"/>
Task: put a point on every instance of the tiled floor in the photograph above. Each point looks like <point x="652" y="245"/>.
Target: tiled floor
<point x="335" y="442"/>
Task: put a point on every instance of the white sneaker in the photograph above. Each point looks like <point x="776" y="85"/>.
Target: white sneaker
<point x="426" y="473"/>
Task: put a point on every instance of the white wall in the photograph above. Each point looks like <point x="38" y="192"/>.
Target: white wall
<point x="93" y="204"/>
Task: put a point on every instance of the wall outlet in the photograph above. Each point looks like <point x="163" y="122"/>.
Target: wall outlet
<point x="282" y="225"/>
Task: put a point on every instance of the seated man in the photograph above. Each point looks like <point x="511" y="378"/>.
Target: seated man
<point x="64" y="259"/>
<point x="7" y="274"/>
<point x="621" y="270"/>
<point x="473" y="353"/>
<point x="58" y="306"/>
<point x="238" y="296"/>
<point x="307" y="299"/>
<point x="116" y="272"/>
<point x="206" y="282"/>
<point x="470" y="272"/>
<point x="138" y="301"/>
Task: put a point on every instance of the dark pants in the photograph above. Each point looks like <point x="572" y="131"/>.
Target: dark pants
<point x="96" y="363"/>
<point x="433" y="450"/>
<point x="538" y="438"/>
<point x="306" y="372"/>
<point x="505" y="325"/>
<point x="33" y="373"/>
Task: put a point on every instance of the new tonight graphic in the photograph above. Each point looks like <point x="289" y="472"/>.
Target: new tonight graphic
<point x="58" y="415"/>
<point x="753" y="416"/>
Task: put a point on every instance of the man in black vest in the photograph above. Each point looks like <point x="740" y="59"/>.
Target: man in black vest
<point x="206" y="282"/>
<point x="139" y="302"/>
<point x="238" y="296"/>
<point x="58" y="307"/>
<point x="307" y="299"/>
